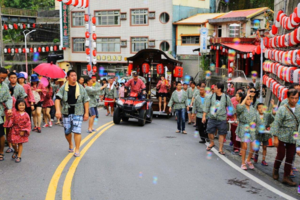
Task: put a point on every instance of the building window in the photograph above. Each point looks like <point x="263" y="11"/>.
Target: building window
<point x="164" y="17"/>
<point x="139" y="17"/>
<point x="190" y="39"/>
<point x="108" y="18"/>
<point x="108" y="44"/>
<point x="78" y="19"/>
<point x="234" y="30"/>
<point x="164" y="46"/>
<point x="78" y="44"/>
<point x="219" y="31"/>
<point x="139" y="43"/>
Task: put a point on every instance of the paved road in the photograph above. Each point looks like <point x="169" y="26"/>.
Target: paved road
<point x="126" y="162"/>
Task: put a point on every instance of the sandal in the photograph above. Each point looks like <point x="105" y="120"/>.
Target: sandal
<point x="76" y="154"/>
<point x="222" y="153"/>
<point x="184" y="132"/>
<point x="71" y="150"/>
<point x="14" y="156"/>
<point x="294" y="169"/>
<point x="250" y="165"/>
<point x="244" y="167"/>
<point x="9" y="150"/>
<point x="236" y="151"/>
<point x="209" y="148"/>
<point x="177" y="131"/>
<point x="18" y="160"/>
<point x="107" y="114"/>
<point x="2" y="157"/>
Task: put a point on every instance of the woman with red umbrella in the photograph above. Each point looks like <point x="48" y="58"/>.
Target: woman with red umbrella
<point x="39" y="91"/>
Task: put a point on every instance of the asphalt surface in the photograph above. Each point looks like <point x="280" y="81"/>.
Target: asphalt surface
<point x="129" y="162"/>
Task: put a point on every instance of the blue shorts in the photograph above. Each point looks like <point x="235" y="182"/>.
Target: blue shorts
<point x="93" y="111"/>
<point x="72" y="123"/>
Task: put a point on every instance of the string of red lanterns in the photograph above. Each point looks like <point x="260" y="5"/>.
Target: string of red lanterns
<point x="32" y="49"/>
<point x="18" y="26"/>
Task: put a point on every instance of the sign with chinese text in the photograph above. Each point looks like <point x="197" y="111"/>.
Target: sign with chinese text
<point x="65" y="25"/>
<point x="203" y="40"/>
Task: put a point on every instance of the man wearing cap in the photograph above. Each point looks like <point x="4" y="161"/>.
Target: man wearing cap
<point x="135" y="83"/>
<point x="6" y="100"/>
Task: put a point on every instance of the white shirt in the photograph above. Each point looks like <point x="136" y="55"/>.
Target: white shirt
<point x="293" y="109"/>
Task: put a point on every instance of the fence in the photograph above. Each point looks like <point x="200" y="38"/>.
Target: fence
<point x="19" y="12"/>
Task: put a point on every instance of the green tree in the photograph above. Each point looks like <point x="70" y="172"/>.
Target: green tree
<point x="28" y="4"/>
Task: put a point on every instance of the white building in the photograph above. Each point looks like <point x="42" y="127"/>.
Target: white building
<point x="123" y="28"/>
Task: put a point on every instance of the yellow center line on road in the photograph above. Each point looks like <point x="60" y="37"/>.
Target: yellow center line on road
<point x="51" y="192"/>
<point x="66" y="193"/>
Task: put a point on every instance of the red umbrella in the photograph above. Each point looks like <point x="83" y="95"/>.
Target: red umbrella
<point x="50" y="70"/>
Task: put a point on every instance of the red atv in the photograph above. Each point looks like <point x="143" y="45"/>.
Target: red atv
<point x="133" y="107"/>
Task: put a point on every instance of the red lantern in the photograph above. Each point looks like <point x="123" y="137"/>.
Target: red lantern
<point x="64" y="48"/>
<point x="178" y="72"/>
<point x="94" y="69"/>
<point x="94" y="20"/>
<point x="15" y="26"/>
<point x="94" y="36"/>
<point x="31" y="50"/>
<point x="248" y="55"/>
<point x="253" y="52"/>
<point x="160" y="68"/>
<point x="221" y="47"/>
<point x="130" y="66"/>
<point x="55" y="48"/>
<point x="86" y="17"/>
<point x="47" y="49"/>
<point x="8" y="50"/>
<point x="230" y="70"/>
<point x="16" y="50"/>
<point x="215" y="47"/>
<point x="298" y="58"/>
<point x="89" y="67"/>
<point x="88" y="52"/>
<point x="24" y="26"/>
<point x="145" y="68"/>
<point x="274" y="30"/>
<point x="94" y="53"/>
<point x="87" y="34"/>
<point x="211" y="47"/>
<point x="39" y="49"/>
<point x="258" y="50"/>
<point x="5" y="27"/>
<point x="33" y="25"/>
<point x="23" y="50"/>
<point x="226" y="51"/>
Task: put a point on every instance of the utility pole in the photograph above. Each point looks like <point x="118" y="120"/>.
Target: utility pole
<point x="1" y="40"/>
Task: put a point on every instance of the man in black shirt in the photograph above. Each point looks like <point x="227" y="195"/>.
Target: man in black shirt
<point x="75" y="109"/>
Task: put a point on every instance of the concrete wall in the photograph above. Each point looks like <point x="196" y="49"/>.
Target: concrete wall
<point x="155" y="30"/>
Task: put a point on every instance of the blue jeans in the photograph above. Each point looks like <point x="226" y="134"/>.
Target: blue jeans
<point x="180" y="113"/>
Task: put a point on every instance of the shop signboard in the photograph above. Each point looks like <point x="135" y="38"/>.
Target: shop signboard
<point x="65" y="25"/>
<point x="203" y="40"/>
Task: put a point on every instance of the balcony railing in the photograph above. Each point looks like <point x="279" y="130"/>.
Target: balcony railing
<point x="18" y="12"/>
<point x="231" y="40"/>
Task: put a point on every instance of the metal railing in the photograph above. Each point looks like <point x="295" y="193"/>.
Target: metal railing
<point x="18" y="12"/>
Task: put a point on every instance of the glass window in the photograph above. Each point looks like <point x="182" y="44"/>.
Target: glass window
<point x="108" y="44"/>
<point x="190" y="40"/>
<point x="138" y="44"/>
<point x="108" y="18"/>
<point x="78" y="19"/>
<point x="164" y="46"/>
<point x="234" y="30"/>
<point x="78" y="44"/>
<point x="164" y="17"/>
<point x="139" y="17"/>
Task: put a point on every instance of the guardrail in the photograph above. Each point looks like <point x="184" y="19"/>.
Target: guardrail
<point x="18" y="12"/>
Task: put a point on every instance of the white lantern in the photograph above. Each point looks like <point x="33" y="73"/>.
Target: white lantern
<point x="223" y="50"/>
<point x="87" y="26"/>
<point x="94" y="45"/>
<point x="60" y="47"/>
<point x="5" y="50"/>
<point x="245" y="56"/>
<point x="94" y="28"/>
<point x="51" y="48"/>
<point x="88" y="59"/>
<point x="94" y="61"/>
<point x="238" y="56"/>
<point x="87" y="43"/>
<point x="28" y="25"/>
<point x="43" y="49"/>
<point x="34" y="49"/>
<point x="218" y="47"/>
<point x="20" y="50"/>
<point x="251" y="55"/>
<point x="10" y="26"/>
<point x="12" y="50"/>
<point x="27" y="50"/>
<point x="229" y="75"/>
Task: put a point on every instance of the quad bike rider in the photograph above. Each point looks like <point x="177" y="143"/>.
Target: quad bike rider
<point x="136" y="105"/>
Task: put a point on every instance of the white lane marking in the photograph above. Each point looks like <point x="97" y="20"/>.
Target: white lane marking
<point x="262" y="183"/>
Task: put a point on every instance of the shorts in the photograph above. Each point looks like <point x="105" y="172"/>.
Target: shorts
<point x="38" y="105"/>
<point x="162" y="94"/>
<point x="2" y="128"/>
<point x="109" y="102"/>
<point x="72" y="123"/>
<point x="93" y="111"/>
<point x="213" y="125"/>
<point x="265" y="143"/>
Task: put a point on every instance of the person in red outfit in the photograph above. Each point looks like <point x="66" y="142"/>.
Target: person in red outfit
<point x="20" y="126"/>
<point x="162" y="86"/>
<point x="135" y="83"/>
<point x="30" y="98"/>
<point x="47" y="105"/>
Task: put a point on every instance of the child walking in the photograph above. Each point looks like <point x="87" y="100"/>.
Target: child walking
<point x="20" y="126"/>
<point x="265" y="118"/>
